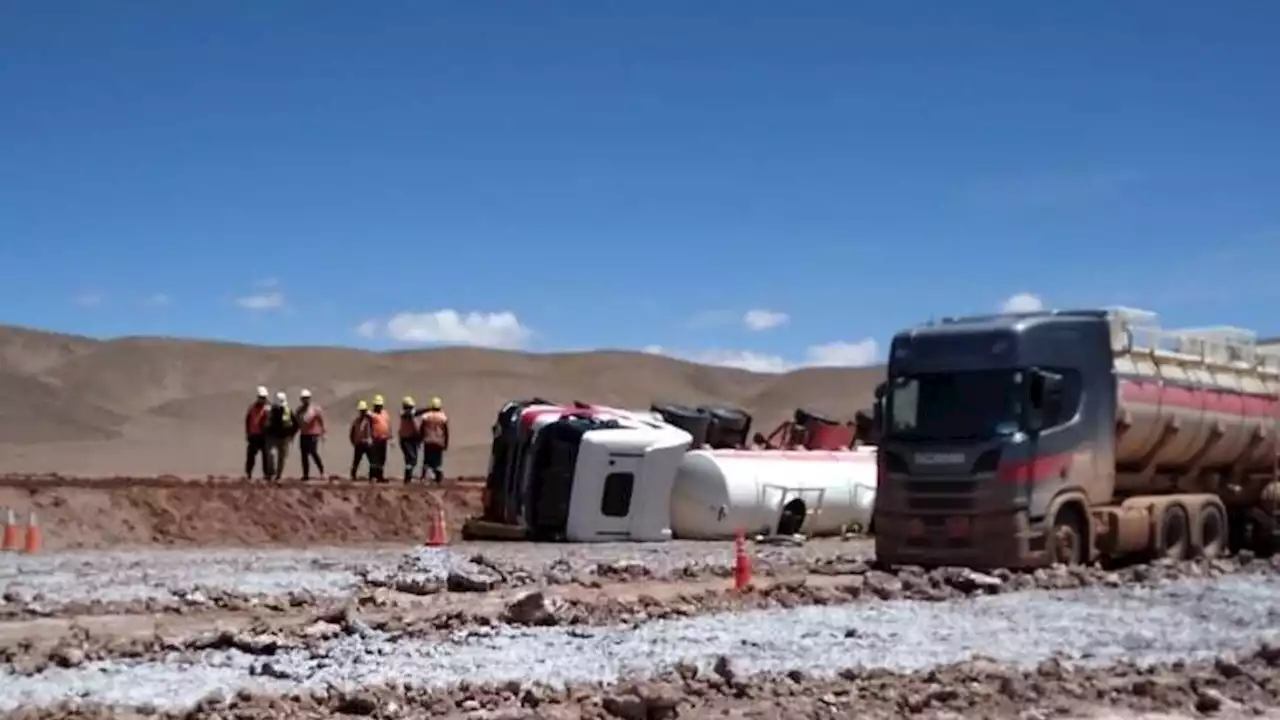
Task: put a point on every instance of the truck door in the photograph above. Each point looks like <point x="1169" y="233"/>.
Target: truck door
<point x="622" y="472"/>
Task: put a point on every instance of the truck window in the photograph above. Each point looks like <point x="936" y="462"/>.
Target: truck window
<point x="955" y="406"/>
<point x="616" y="499"/>
<point x="1067" y="403"/>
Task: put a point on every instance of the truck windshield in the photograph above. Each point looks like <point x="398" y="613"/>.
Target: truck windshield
<point x="973" y="405"/>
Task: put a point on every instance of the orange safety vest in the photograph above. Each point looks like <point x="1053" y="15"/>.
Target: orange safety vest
<point x="435" y="428"/>
<point x="362" y="430"/>
<point x="381" y="425"/>
<point x="255" y="421"/>
<point x="408" y="426"/>
<point x="312" y="420"/>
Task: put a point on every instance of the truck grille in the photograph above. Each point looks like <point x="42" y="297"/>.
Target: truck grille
<point x="941" y="495"/>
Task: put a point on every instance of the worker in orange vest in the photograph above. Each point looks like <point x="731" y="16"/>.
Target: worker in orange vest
<point x="310" y="418"/>
<point x="361" y="439"/>
<point x="255" y="435"/>
<point x="381" y="423"/>
<point x="434" y="430"/>
<point x="410" y="440"/>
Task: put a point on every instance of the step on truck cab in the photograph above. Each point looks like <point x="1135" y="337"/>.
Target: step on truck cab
<point x="1022" y="440"/>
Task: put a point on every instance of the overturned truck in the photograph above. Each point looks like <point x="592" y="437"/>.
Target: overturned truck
<point x="592" y="473"/>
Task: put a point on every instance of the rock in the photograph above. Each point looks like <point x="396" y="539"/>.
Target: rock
<point x="628" y="707"/>
<point x="1209" y="701"/>
<point x="321" y="630"/>
<point x="535" y="608"/>
<point x="883" y="585"/>
<point x="358" y="703"/>
<point x="469" y="580"/>
<point x="272" y="670"/>
<point x="67" y="656"/>
<point x="971" y="581"/>
<point x="623" y="570"/>
<point x="418" y="584"/>
<point x="725" y="669"/>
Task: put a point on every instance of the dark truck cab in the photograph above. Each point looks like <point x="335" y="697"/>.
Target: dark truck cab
<point x="988" y="456"/>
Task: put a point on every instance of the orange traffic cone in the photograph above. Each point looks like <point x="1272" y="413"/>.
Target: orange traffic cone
<point x="741" y="562"/>
<point x="32" y="544"/>
<point x="438" y="535"/>
<point x="10" y="531"/>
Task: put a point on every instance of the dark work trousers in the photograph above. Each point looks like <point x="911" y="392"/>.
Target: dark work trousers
<point x="256" y="445"/>
<point x="433" y="461"/>
<point x="409" y="447"/>
<point x="378" y="461"/>
<point x="360" y="452"/>
<point x="309" y="448"/>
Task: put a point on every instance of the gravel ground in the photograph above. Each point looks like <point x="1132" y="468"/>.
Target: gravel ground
<point x="117" y="577"/>
<point x="1193" y="618"/>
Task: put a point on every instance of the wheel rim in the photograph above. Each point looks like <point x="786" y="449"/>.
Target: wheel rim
<point x="1066" y="544"/>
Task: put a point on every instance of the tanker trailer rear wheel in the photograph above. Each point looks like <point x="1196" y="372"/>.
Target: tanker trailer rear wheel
<point x="1068" y="537"/>
<point x="1175" y="533"/>
<point x="1213" y="531"/>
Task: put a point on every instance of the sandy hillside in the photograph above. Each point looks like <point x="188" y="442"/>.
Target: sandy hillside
<point x="79" y="406"/>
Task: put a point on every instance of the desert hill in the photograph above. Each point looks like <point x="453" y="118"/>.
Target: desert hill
<point x="80" y="406"/>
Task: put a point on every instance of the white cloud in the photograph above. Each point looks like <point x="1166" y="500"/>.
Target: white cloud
<point x="450" y="327"/>
<point x="843" y="354"/>
<point x="273" y="300"/>
<point x="711" y="318"/>
<point x="157" y="300"/>
<point x="833" y="354"/>
<point x="89" y="299"/>
<point x="367" y="329"/>
<point x="1021" y="303"/>
<point x="757" y="320"/>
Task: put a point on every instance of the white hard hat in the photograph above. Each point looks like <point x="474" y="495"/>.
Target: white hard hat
<point x="281" y="396"/>
<point x="262" y="391"/>
<point x="305" y="393"/>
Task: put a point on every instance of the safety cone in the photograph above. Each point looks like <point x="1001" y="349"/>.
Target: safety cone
<point x="438" y="534"/>
<point x="32" y="544"/>
<point x="11" y="533"/>
<point x="741" y="562"/>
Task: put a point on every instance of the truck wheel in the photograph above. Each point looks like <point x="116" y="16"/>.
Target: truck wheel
<point x="1175" y="533"/>
<point x="1213" y="531"/>
<point x="1067" y="542"/>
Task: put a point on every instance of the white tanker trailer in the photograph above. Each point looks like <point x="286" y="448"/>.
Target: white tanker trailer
<point x="1020" y="440"/>
<point x="784" y="492"/>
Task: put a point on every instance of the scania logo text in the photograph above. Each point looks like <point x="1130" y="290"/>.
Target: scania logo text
<point x="938" y="458"/>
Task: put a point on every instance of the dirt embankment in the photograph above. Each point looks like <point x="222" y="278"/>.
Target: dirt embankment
<point x="87" y="514"/>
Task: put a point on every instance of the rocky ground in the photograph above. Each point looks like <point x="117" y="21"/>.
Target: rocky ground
<point x="1229" y="686"/>
<point x="398" y="632"/>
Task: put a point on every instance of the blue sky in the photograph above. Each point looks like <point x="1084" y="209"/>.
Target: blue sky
<point x="632" y="174"/>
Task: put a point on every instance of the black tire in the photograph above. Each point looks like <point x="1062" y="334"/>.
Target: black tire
<point x="1175" y="534"/>
<point x="1068" y="538"/>
<point x="1213" y="531"/>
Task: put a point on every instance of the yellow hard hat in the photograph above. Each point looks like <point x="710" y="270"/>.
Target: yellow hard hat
<point x="362" y="405"/>
<point x="377" y="400"/>
<point x="435" y="403"/>
<point x="408" y="401"/>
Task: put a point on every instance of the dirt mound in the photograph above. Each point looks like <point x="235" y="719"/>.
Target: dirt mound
<point x="126" y="512"/>
<point x="147" y="406"/>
